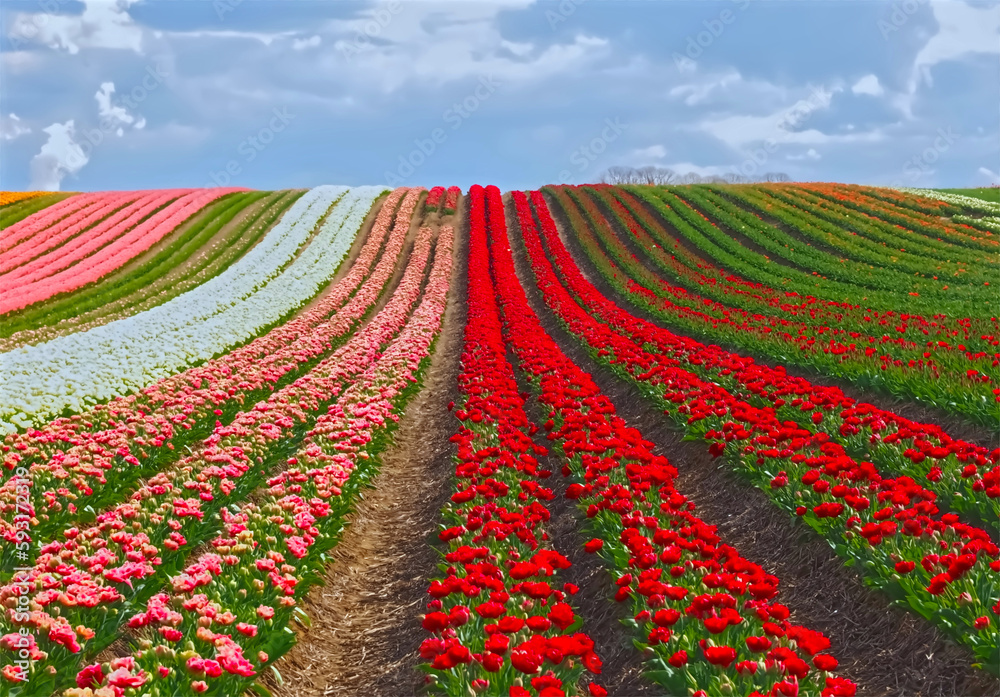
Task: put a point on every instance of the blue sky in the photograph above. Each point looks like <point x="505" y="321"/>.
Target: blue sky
<point x="120" y="94"/>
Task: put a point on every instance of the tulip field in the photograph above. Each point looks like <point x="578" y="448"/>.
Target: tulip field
<point x="702" y="441"/>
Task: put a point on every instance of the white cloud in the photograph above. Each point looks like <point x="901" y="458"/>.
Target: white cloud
<point x="869" y="85"/>
<point x="809" y="154"/>
<point x="60" y="155"/>
<point x="518" y="49"/>
<point x="656" y="152"/>
<point x="782" y="126"/>
<point x="696" y="93"/>
<point x="102" y="24"/>
<point x="962" y="29"/>
<point x="114" y="116"/>
<point x="12" y="128"/>
<point x="262" y="37"/>
<point x="447" y="42"/>
<point x="994" y="177"/>
<point x="303" y="44"/>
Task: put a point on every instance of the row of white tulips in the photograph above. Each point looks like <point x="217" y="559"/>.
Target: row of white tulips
<point x="74" y="371"/>
<point x="976" y="204"/>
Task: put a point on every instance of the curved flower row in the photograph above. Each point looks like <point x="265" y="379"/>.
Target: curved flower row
<point x="7" y="197"/>
<point x="923" y="234"/>
<point x="935" y="371"/>
<point x="929" y="560"/>
<point x="24" y="230"/>
<point x="106" y="250"/>
<point x="433" y="200"/>
<point x="82" y="221"/>
<point x="799" y="233"/>
<point x="69" y="466"/>
<point x="220" y="621"/>
<point x="500" y="621"/>
<point x="75" y="371"/>
<point x="451" y="200"/>
<point x="217" y="237"/>
<point x="721" y="243"/>
<point x="697" y="274"/>
<point x="106" y="572"/>
<point x="707" y="618"/>
<point x="903" y="444"/>
<point x="970" y="202"/>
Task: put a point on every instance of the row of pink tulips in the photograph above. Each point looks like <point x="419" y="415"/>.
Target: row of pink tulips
<point x="47" y="239"/>
<point x="272" y="547"/>
<point x="73" y="458"/>
<point x="107" y="572"/>
<point x="86" y="267"/>
<point x="41" y="221"/>
<point x="109" y="221"/>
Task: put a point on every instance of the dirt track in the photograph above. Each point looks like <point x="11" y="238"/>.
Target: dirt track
<point x="366" y="620"/>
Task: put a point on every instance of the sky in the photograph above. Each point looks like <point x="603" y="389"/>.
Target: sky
<point x="273" y="94"/>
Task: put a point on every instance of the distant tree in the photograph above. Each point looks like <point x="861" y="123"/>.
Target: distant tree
<point x="661" y="176"/>
<point x="650" y="175"/>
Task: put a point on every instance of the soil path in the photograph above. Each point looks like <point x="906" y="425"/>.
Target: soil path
<point x="365" y="630"/>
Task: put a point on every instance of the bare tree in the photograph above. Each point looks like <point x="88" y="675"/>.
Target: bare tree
<point x="661" y="176"/>
<point x="665" y="176"/>
<point x="647" y="175"/>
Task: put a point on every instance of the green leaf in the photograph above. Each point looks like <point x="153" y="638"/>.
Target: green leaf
<point x="261" y="690"/>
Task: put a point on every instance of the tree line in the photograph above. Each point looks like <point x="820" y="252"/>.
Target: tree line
<point x="662" y="176"/>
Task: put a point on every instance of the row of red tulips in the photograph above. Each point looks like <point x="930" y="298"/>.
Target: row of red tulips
<point x="891" y="527"/>
<point x="721" y="284"/>
<point x="707" y="619"/>
<point x="501" y="622"/>
<point x="940" y="373"/>
<point x="443" y="200"/>
<point x="966" y="474"/>
<point x="822" y="319"/>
